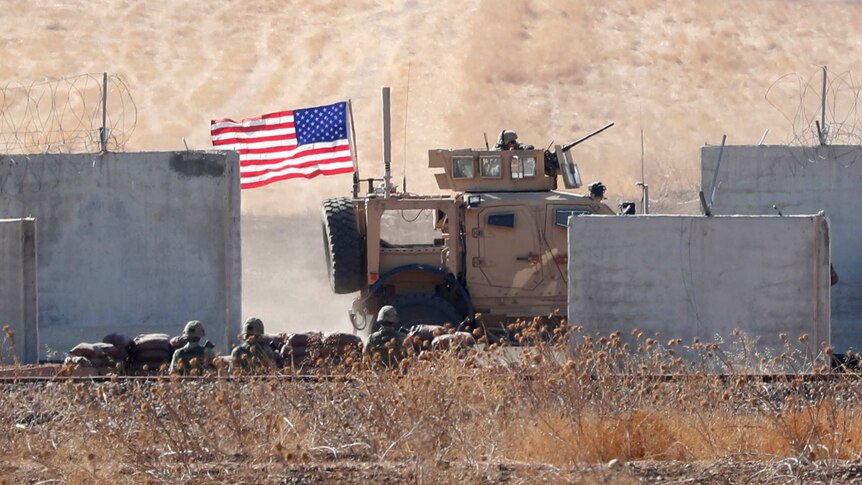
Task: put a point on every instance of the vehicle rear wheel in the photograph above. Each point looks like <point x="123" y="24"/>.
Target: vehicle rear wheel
<point x="425" y="309"/>
<point x="342" y="245"/>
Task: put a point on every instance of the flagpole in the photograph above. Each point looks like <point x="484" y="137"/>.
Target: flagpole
<point x="352" y="134"/>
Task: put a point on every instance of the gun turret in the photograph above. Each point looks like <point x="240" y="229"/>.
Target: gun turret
<point x="552" y="162"/>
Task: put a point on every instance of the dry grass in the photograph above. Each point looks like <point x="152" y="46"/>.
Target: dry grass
<point x="461" y="417"/>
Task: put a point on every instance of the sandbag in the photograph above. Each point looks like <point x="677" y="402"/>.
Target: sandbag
<point x="273" y="340"/>
<point x="421" y="336"/>
<point x="341" y="339"/>
<point x="338" y="352"/>
<point x="297" y="361"/>
<point x="287" y="351"/>
<point x="119" y="340"/>
<point x="299" y="339"/>
<point x="77" y="360"/>
<point x="221" y="362"/>
<point x="153" y="341"/>
<point x="152" y="356"/>
<point x="111" y="351"/>
<point x="101" y="362"/>
<point x="455" y="340"/>
<point x="87" y="350"/>
<point x="426" y="332"/>
<point x="101" y="351"/>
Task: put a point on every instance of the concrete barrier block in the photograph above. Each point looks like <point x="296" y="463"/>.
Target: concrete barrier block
<point x="697" y="277"/>
<point x="802" y="180"/>
<point x="130" y="242"/>
<point x="18" y="296"/>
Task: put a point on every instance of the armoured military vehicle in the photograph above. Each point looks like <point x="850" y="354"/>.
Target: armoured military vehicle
<point x="498" y="242"/>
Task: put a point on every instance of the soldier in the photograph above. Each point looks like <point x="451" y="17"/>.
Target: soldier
<point x="195" y="355"/>
<point x="597" y="191"/>
<point x="508" y="140"/>
<point x="385" y="344"/>
<point x="253" y="356"/>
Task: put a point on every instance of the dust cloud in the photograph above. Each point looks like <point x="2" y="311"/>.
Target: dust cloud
<point x="284" y="277"/>
<point x="683" y="72"/>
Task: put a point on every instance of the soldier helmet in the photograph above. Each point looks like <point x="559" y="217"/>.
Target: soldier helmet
<point x="507" y="137"/>
<point x="387" y="314"/>
<point x="597" y="189"/>
<point x="252" y="326"/>
<point x="194" y="330"/>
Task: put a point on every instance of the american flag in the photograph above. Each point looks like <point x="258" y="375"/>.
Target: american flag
<point x="288" y="144"/>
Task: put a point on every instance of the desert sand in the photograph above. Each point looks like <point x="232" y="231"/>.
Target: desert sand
<point x="682" y="72"/>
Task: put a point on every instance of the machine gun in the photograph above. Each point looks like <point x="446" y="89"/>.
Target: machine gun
<point x="569" y="146"/>
<point x="552" y="164"/>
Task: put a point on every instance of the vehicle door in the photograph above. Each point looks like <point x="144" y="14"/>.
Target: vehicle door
<point x="556" y="241"/>
<point x="508" y="249"/>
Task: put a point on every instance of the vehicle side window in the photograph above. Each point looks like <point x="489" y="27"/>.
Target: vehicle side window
<point x="529" y="167"/>
<point x="523" y="167"/>
<point x="462" y="167"/>
<point x="410" y="227"/>
<point x="561" y="216"/>
<point x="490" y="167"/>
<point x="501" y="220"/>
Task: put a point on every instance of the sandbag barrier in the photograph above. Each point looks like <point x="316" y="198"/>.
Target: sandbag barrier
<point x="312" y="349"/>
<point x="151" y="353"/>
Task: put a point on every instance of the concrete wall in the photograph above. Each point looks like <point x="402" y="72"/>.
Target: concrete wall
<point x="802" y="180"/>
<point x="18" y="301"/>
<point x="693" y="276"/>
<point x="130" y="242"/>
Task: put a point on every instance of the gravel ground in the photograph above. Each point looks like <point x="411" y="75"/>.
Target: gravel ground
<point x="356" y="471"/>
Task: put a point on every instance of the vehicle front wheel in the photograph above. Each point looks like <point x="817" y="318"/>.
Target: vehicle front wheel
<point x="425" y="309"/>
<point x="342" y="245"/>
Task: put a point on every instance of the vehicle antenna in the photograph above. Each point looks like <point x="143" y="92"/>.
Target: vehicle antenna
<point x="387" y="144"/>
<point x="643" y="177"/>
<point x="762" y="138"/>
<point x="643" y="185"/>
<point x="406" y="105"/>
<point x="351" y="133"/>
<point x="485" y="134"/>
<point x="711" y="199"/>
<point x="822" y="129"/>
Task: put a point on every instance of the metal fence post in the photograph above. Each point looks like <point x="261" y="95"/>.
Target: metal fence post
<point x="103" y="132"/>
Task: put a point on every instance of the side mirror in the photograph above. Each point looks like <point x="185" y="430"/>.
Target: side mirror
<point x="627" y="208"/>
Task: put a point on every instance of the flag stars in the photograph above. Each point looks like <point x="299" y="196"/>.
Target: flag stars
<point x="320" y="125"/>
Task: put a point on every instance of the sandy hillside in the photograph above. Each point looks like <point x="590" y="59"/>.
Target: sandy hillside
<point x="684" y="71"/>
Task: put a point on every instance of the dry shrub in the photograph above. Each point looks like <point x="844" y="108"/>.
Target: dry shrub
<point x="567" y="400"/>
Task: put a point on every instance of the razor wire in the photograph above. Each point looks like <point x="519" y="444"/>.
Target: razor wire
<point x="64" y="115"/>
<point x="801" y="99"/>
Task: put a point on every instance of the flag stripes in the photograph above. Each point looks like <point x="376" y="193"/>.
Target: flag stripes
<point x="288" y="144"/>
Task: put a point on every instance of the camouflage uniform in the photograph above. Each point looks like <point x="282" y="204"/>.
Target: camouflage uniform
<point x="508" y="140"/>
<point x="385" y="344"/>
<point x="194" y="355"/>
<point x="253" y="357"/>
